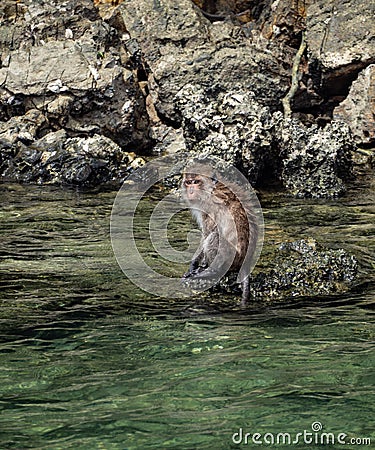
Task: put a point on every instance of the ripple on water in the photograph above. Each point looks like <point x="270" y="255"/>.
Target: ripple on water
<point x="88" y="361"/>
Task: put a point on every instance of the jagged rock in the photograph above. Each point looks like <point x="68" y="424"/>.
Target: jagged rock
<point x="21" y="128"/>
<point x="30" y="23"/>
<point x="181" y="46"/>
<point x="71" y="65"/>
<point x="282" y="20"/>
<point x="341" y="41"/>
<point x="358" y="109"/>
<point x="128" y="75"/>
<point x="232" y="126"/>
<point x="302" y="269"/>
<point x="56" y="108"/>
<point x="168" y="140"/>
<point x="315" y="160"/>
<point x="56" y="67"/>
<point x="80" y="161"/>
<point x="189" y="75"/>
<point x="236" y="128"/>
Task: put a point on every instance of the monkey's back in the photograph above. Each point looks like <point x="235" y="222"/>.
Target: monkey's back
<point x="235" y="202"/>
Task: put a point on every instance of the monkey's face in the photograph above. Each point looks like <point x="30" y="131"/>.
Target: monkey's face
<point x="195" y="188"/>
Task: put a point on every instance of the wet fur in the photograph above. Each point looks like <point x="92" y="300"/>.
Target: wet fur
<point x="221" y="207"/>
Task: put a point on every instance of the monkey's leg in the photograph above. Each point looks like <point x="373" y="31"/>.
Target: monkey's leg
<point x="245" y="285"/>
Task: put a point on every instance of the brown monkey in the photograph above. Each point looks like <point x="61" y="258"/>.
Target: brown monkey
<point x="229" y="228"/>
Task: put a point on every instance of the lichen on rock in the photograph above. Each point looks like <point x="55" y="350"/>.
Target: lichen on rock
<point x="56" y="158"/>
<point x="301" y="269"/>
<point x="315" y="161"/>
<point x="164" y="77"/>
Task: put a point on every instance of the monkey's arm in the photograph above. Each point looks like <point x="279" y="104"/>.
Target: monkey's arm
<point x="211" y="259"/>
<point x="197" y="263"/>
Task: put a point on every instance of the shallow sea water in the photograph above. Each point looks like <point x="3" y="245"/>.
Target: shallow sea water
<point x="89" y="361"/>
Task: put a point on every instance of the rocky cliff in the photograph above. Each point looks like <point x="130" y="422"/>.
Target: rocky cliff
<point x="282" y="89"/>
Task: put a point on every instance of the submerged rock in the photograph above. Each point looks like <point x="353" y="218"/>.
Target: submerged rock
<point x="302" y="269"/>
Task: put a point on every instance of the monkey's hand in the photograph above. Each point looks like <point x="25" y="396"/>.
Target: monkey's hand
<point x="193" y="272"/>
<point x="203" y="273"/>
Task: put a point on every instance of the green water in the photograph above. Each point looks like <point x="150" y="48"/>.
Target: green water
<point x="88" y="361"/>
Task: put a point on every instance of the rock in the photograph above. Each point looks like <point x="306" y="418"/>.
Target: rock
<point x="22" y="128"/>
<point x="232" y="126"/>
<point x="358" y="109"/>
<point x="341" y="42"/>
<point x="54" y="67"/>
<point x="193" y="74"/>
<point x="71" y="65"/>
<point x="57" y="108"/>
<point x="282" y="20"/>
<point x="164" y="76"/>
<point x="302" y="269"/>
<point x="79" y="161"/>
<point x="168" y="139"/>
<point x="181" y="46"/>
<point x="315" y="160"/>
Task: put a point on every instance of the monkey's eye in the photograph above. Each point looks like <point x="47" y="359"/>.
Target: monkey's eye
<point x="196" y="181"/>
<point x="187" y="182"/>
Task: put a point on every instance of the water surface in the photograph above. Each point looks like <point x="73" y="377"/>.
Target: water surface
<point x="88" y="361"/>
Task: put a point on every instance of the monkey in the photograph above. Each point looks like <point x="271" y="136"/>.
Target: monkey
<point x="229" y="228"/>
